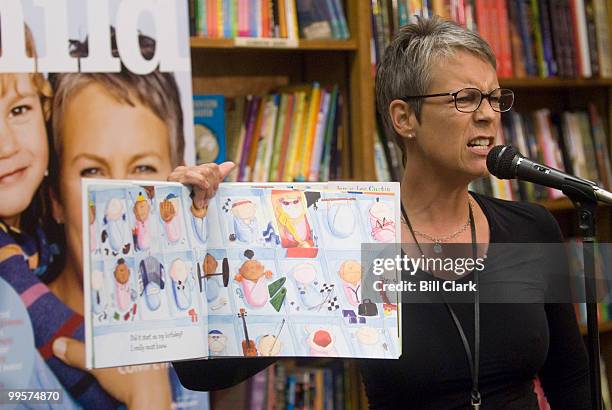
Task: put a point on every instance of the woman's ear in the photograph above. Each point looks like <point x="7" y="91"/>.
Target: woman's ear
<point x="57" y="209"/>
<point x="403" y="118"/>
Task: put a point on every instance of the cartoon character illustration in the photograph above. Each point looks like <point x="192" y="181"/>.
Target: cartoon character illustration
<point x="369" y="339"/>
<point x="290" y="214"/>
<point x="350" y="273"/>
<point x="97" y="291"/>
<point x="253" y="278"/>
<point x="122" y="285"/>
<point x="181" y="283"/>
<point x="199" y="222"/>
<point x="321" y="343"/>
<point x="216" y="342"/>
<point x="93" y="244"/>
<point x="142" y="230"/>
<point x="269" y="345"/>
<point x="244" y="221"/>
<point x="169" y="212"/>
<point x="211" y="283"/>
<point x="304" y="277"/>
<point x="152" y="279"/>
<point x="340" y="217"/>
<point x="381" y="220"/>
<point x="116" y="228"/>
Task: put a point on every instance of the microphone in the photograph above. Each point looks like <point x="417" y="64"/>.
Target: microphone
<point x="505" y="162"/>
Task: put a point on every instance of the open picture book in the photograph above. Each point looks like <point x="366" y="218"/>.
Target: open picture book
<point x="265" y="270"/>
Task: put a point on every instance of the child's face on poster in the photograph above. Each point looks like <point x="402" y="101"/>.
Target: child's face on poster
<point x="23" y="144"/>
<point x="103" y="137"/>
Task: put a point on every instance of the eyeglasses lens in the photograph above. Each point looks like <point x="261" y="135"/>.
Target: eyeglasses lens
<point x="505" y="99"/>
<point x="469" y="99"/>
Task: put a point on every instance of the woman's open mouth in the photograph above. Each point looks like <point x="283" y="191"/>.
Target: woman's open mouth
<point x="480" y="145"/>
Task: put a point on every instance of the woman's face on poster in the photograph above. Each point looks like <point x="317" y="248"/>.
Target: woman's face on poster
<point x="103" y="137"/>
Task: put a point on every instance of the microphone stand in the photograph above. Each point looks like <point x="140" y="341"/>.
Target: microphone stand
<point x="585" y="203"/>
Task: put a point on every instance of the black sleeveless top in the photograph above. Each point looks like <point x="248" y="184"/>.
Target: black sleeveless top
<point x="518" y="341"/>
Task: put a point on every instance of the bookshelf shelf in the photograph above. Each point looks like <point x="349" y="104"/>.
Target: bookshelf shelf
<point x="199" y="43"/>
<point x="561" y="204"/>
<point x="604" y="327"/>
<point x="555" y="82"/>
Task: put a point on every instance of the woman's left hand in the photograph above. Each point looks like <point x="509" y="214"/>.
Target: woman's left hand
<point x="203" y="178"/>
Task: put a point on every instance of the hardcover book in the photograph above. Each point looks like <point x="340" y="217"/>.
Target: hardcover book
<point x="265" y="270"/>
<point x="209" y="128"/>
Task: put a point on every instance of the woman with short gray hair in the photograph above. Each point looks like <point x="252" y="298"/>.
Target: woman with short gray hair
<point x="431" y="87"/>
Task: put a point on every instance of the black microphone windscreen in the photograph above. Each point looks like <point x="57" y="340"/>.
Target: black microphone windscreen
<point x="499" y="161"/>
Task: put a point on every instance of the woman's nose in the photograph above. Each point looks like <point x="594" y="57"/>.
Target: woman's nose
<point x="9" y="143"/>
<point x="485" y="112"/>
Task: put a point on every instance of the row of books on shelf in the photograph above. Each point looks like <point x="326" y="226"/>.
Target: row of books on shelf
<point x="295" y="134"/>
<point x="571" y="141"/>
<point x="290" y="385"/>
<point x="287" y="19"/>
<point x="603" y="269"/>
<point x="603" y="264"/>
<point x="545" y="38"/>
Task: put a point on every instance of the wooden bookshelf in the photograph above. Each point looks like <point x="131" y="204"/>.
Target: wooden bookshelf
<point x="562" y="204"/>
<point x="220" y="66"/>
<point x="198" y="43"/>
<point x="554" y="82"/>
<point x="604" y="327"/>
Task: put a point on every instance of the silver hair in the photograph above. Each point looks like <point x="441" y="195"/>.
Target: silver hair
<point x="405" y="68"/>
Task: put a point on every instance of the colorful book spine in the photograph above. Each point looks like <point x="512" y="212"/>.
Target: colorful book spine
<point x="270" y="134"/>
<point x="278" y="136"/>
<point x="255" y="141"/>
<point x="253" y="111"/>
<point x="329" y="132"/>
<point x="294" y="138"/>
<point x="319" y="139"/>
<point x="309" y="136"/>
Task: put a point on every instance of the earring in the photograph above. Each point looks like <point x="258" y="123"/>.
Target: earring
<point x="46" y="173"/>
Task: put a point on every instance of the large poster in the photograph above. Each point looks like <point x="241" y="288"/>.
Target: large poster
<point x="108" y="74"/>
<point x="111" y="31"/>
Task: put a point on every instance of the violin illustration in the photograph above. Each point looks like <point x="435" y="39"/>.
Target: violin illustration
<point x="248" y="345"/>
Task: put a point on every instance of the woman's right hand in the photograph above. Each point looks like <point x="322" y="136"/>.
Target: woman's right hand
<point x="140" y="389"/>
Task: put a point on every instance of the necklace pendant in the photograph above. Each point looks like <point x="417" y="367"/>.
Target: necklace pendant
<point x="476" y="400"/>
<point x="437" y="247"/>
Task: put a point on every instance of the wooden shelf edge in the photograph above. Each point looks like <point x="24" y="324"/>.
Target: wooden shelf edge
<point x="561" y="204"/>
<point x="198" y="43"/>
<point x="555" y="82"/>
<point x="604" y="327"/>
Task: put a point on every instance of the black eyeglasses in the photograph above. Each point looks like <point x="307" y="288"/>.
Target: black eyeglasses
<point x="469" y="99"/>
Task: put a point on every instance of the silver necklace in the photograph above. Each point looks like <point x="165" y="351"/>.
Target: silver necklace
<point x="437" y="241"/>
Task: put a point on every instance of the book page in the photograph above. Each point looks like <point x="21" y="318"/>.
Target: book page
<point x="294" y="271"/>
<point x="269" y="270"/>
<point x="143" y="288"/>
